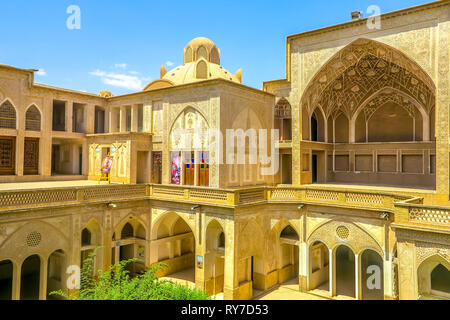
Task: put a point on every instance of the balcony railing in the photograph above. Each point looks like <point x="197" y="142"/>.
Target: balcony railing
<point x="407" y="209"/>
<point x="201" y="195"/>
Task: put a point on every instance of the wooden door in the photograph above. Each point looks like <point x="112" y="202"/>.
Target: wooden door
<point x="31" y="156"/>
<point x="7" y="155"/>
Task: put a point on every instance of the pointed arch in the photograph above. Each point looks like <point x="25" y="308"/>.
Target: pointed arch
<point x="202" y="53"/>
<point x="8" y="115"/>
<point x="33" y="118"/>
<point x="345" y="60"/>
<point x="201" y="70"/>
<point x="427" y="284"/>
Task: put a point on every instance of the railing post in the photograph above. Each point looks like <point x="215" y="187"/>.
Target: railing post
<point x="301" y="194"/>
<point x="342" y="197"/>
<point x="80" y="195"/>
<point x="388" y="202"/>
<point x="401" y="214"/>
<point x="233" y="197"/>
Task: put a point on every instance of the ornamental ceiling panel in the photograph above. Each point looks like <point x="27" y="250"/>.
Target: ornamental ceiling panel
<point x="361" y="70"/>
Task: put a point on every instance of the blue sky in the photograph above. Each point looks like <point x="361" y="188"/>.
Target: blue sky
<point x="121" y="44"/>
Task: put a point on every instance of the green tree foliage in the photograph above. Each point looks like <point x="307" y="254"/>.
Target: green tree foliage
<point x="116" y="284"/>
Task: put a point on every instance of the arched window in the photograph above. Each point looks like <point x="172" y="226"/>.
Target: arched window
<point x="215" y="56"/>
<point x="188" y="55"/>
<point x="7" y="116"/>
<point x="85" y="237"/>
<point x="127" y="231"/>
<point x="283" y="119"/>
<point x="201" y="53"/>
<point x="202" y="70"/>
<point x="33" y="119"/>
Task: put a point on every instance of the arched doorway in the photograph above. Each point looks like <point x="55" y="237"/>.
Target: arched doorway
<point x="440" y="281"/>
<point x="30" y="278"/>
<point x="6" y="279"/>
<point x="132" y="244"/>
<point x="319" y="267"/>
<point x="90" y="240"/>
<point x="433" y="277"/>
<point x="214" y="258"/>
<point x="372" y="280"/>
<point x="314" y="128"/>
<point x="174" y="246"/>
<point x="289" y="255"/>
<point x="345" y="271"/>
<point x="56" y="273"/>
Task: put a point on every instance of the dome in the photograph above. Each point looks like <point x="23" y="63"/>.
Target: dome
<point x="201" y="62"/>
<point x="201" y="48"/>
<point x="105" y="94"/>
<point x="198" y="71"/>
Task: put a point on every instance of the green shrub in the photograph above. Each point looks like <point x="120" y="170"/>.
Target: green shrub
<point x="116" y="284"/>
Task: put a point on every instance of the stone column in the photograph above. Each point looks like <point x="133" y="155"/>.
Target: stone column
<point x="112" y="125"/>
<point x="123" y="119"/>
<point x="442" y="110"/>
<point x="358" y="287"/>
<point x="85" y="158"/>
<point x="43" y="280"/>
<point x="303" y="278"/>
<point x="69" y="116"/>
<point x="16" y="281"/>
<point x="231" y="281"/>
<point x="134" y="118"/>
<point x="20" y="145"/>
<point x="388" y="279"/>
<point x="200" y="248"/>
<point x="332" y="276"/>
<point x="89" y="118"/>
<point x="148" y="118"/>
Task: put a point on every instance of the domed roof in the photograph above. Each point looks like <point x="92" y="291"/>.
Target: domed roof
<point x="201" y="62"/>
<point x="201" y="41"/>
<point x="201" y="48"/>
<point x="105" y="94"/>
<point x="198" y="71"/>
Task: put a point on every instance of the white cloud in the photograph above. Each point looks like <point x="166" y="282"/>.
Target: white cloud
<point x="120" y="65"/>
<point x="170" y="64"/>
<point x="134" y="72"/>
<point x="41" y="72"/>
<point x="119" y="80"/>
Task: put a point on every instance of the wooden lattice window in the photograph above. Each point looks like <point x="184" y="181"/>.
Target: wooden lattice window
<point x="283" y="110"/>
<point x="31" y="156"/>
<point x="7" y="155"/>
<point x="7" y="116"/>
<point x="33" y="119"/>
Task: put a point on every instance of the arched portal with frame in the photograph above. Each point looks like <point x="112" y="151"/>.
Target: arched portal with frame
<point x="343" y="267"/>
<point x="433" y="277"/>
<point x="129" y="242"/>
<point x="215" y="257"/>
<point x="369" y="93"/>
<point x="173" y="243"/>
<point x="189" y="149"/>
